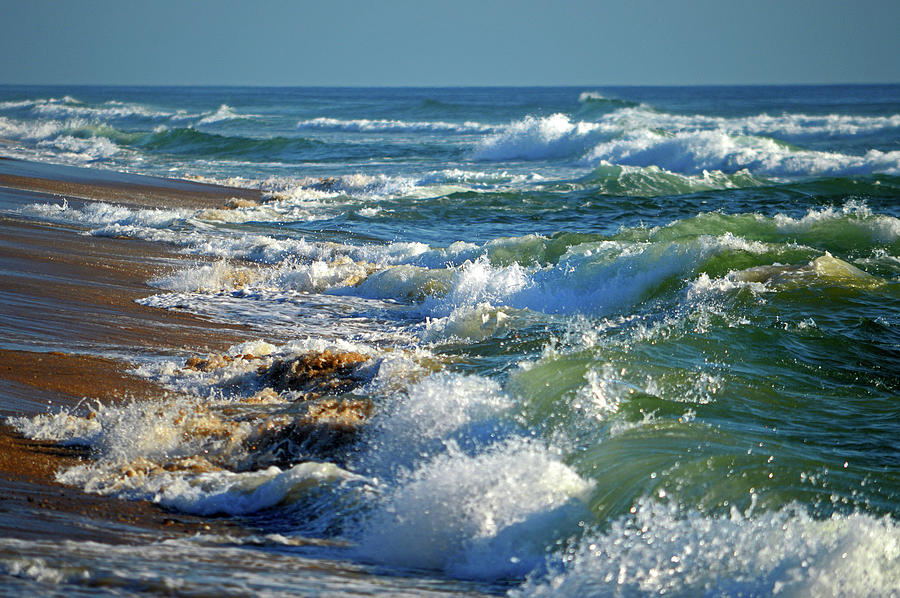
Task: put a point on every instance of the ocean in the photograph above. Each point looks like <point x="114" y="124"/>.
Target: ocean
<point x="583" y="341"/>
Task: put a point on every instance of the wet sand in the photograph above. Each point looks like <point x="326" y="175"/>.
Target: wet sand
<point x="115" y="187"/>
<point x="68" y="318"/>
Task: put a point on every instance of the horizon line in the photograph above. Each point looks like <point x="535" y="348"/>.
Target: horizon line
<point x="451" y="86"/>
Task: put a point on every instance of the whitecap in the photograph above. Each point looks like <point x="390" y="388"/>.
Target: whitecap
<point x="392" y="126"/>
<point x="663" y="551"/>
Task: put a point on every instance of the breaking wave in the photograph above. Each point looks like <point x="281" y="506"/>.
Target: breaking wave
<point x="690" y="148"/>
<point x="393" y="126"/>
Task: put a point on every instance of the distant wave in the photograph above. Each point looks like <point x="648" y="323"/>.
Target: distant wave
<point x="698" y="151"/>
<point x="107" y="110"/>
<point x="783" y="126"/>
<point x="98" y="141"/>
<point x="543" y="138"/>
<point x="595" y="97"/>
<point x="223" y="112"/>
<point x="691" y="144"/>
<point x="194" y="142"/>
<point x="39" y="102"/>
<point x="68" y="107"/>
<point x="393" y="126"/>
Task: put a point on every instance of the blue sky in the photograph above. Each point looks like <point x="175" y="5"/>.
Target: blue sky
<point x="424" y="42"/>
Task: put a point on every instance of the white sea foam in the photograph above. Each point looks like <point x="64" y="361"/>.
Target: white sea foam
<point x="319" y="276"/>
<point x="74" y="141"/>
<point x="705" y="286"/>
<point x="544" y="138"/>
<point x="853" y="213"/>
<point x="694" y="152"/>
<point x="192" y="231"/>
<point x="105" y="214"/>
<point x="351" y="188"/>
<point x="594" y="278"/>
<point x="223" y="112"/>
<point x="9" y="105"/>
<point x="586" y="96"/>
<point x="423" y="420"/>
<point x="460" y="492"/>
<point x="221" y="492"/>
<point x="589" y="279"/>
<point x="82" y="149"/>
<point x="31" y="130"/>
<point x="171" y="450"/>
<point x="61" y="426"/>
<point x="313" y="277"/>
<point x="476" y="178"/>
<point x="785" y="126"/>
<point x="206" y="278"/>
<point x="65" y="100"/>
<point x="105" y="111"/>
<point x="489" y="515"/>
<point x="478" y="282"/>
<point x="39" y="570"/>
<point x="405" y="283"/>
<point x="476" y="323"/>
<point x="692" y="144"/>
<point x="393" y="126"/>
<point x="663" y="551"/>
<point x="305" y="189"/>
<point x="651" y="181"/>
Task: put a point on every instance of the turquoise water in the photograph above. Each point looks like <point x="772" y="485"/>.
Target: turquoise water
<point x="618" y="341"/>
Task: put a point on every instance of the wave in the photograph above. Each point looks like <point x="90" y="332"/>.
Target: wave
<point x="115" y="110"/>
<point x="222" y="113"/>
<point x="75" y="140"/>
<point x="693" y="144"/>
<point x="393" y="126"/>
<point x="652" y="181"/>
<point x="565" y="273"/>
<point x="542" y="138"/>
<point x="594" y="278"/>
<point x="35" y="130"/>
<point x="851" y="228"/>
<point x="587" y="97"/>
<point x="12" y="104"/>
<point x="598" y="275"/>
<point x="82" y="149"/>
<point x="316" y="188"/>
<point x="68" y="107"/>
<point x="825" y="270"/>
<point x="112" y="110"/>
<point x="689" y="554"/>
<point x="184" y="141"/>
<point x="593" y="104"/>
<point x="487" y="516"/>
<point x="785" y="126"/>
<point x="695" y="152"/>
<point x="65" y="100"/>
<point x="193" y="142"/>
<point x="367" y="186"/>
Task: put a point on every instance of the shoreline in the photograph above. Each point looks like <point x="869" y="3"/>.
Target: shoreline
<point x="67" y="317"/>
<point x="116" y="187"/>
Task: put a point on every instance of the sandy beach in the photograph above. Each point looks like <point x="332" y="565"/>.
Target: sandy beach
<point x="67" y="303"/>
